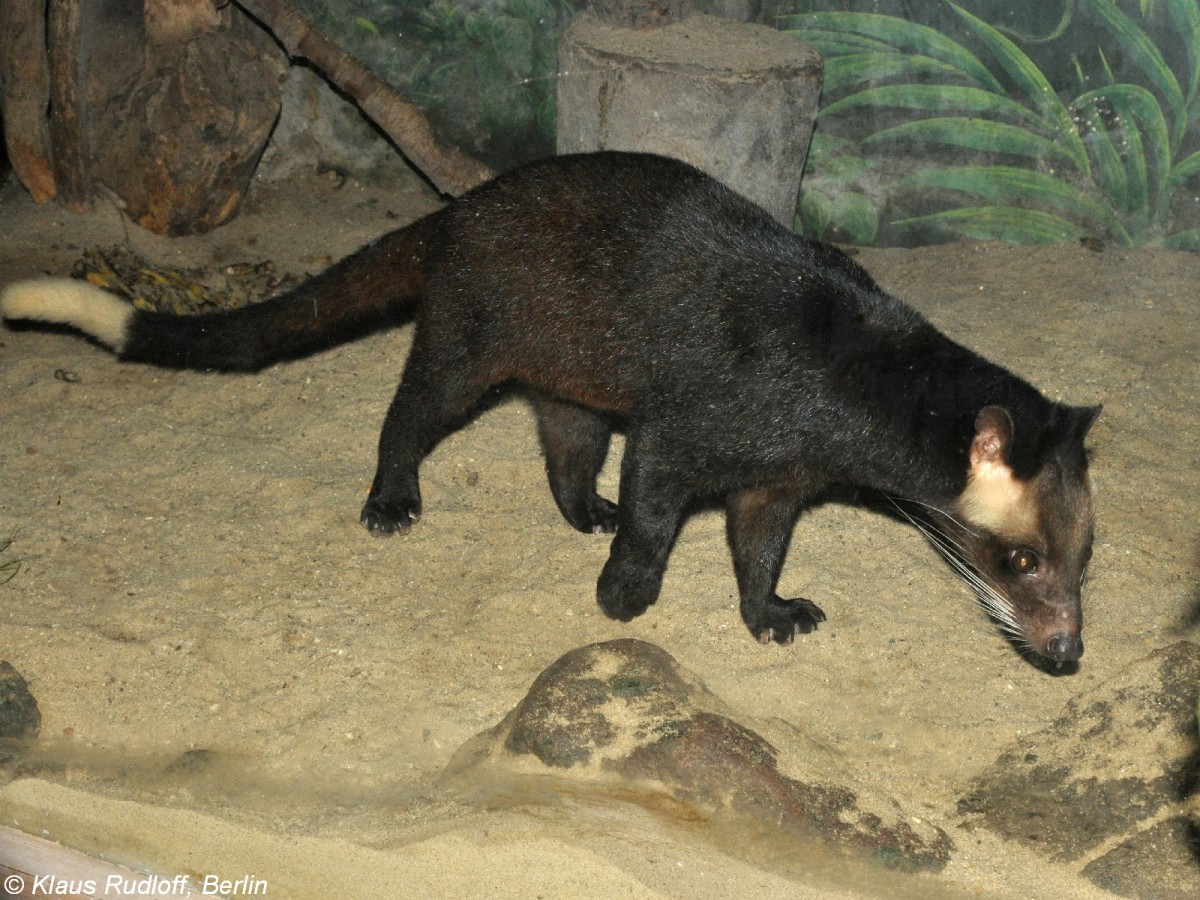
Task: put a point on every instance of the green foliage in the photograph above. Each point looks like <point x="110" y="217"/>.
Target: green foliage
<point x="502" y="59"/>
<point x="495" y="63"/>
<point x="1036" y="166"/>
<point x="830" y="196"/>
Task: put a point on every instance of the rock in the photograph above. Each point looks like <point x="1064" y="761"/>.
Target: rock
<point x="320" y="130"/>
<point x="1150" y="863"/>
<point x="1119" y="767"/>
<point x="20" y="717"/>
<point x="624" y="719"/>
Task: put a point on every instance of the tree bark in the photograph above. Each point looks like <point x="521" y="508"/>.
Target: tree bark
<point x="26" y="94"/>
<point x="451" y="171"/>
<point x="66" y="105"/>
<point x="180" y="129"/>
<point x="177" y="21"/>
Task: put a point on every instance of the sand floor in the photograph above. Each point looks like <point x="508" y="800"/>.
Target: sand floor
<point x="235" y="677"/>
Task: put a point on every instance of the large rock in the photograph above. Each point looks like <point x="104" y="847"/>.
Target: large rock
<point x="1117" y="770"/>
<point x="20" y="717"/>
<point x="623" y="719"/>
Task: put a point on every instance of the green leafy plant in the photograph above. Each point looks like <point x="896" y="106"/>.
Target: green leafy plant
<point x="492" y="68"/>
<point x="835" y="190"/>
<point x="1039" y="167"/>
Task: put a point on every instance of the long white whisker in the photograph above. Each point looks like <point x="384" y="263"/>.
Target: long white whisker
<point x="989" y="594"/>
<point x="926" y="529"/>
<point x="937" y="509"/>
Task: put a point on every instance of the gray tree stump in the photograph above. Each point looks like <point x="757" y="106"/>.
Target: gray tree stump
<point x="737" y="101"/>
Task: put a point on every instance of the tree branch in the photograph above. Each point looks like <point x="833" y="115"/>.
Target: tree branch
<point x="451" y="170"/>
<point x="66" y="99"/>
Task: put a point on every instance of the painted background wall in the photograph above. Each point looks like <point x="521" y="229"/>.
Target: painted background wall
<point x="1019" y="121"/>
<point x="1010" y="121"/>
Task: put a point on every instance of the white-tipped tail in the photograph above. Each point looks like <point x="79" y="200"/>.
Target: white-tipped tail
<point x="66" y="301"/>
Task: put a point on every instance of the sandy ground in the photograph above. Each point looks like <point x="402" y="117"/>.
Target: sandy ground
<point x="236" y="678"/>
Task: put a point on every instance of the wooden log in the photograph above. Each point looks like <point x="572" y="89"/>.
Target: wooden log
<point x="179" y="100"/>
<point x="182" y="129"/>
<point x="451" y="171"/>
<point x="737" y="101"/>
<point x="25" y="75"/>
<point x="177" y="21"/>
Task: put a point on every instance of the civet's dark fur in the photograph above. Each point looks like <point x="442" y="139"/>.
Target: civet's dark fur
<point x="745" y="363"/>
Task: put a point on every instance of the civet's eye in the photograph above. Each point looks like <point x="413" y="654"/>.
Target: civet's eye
<point x="1023" y="561"/>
